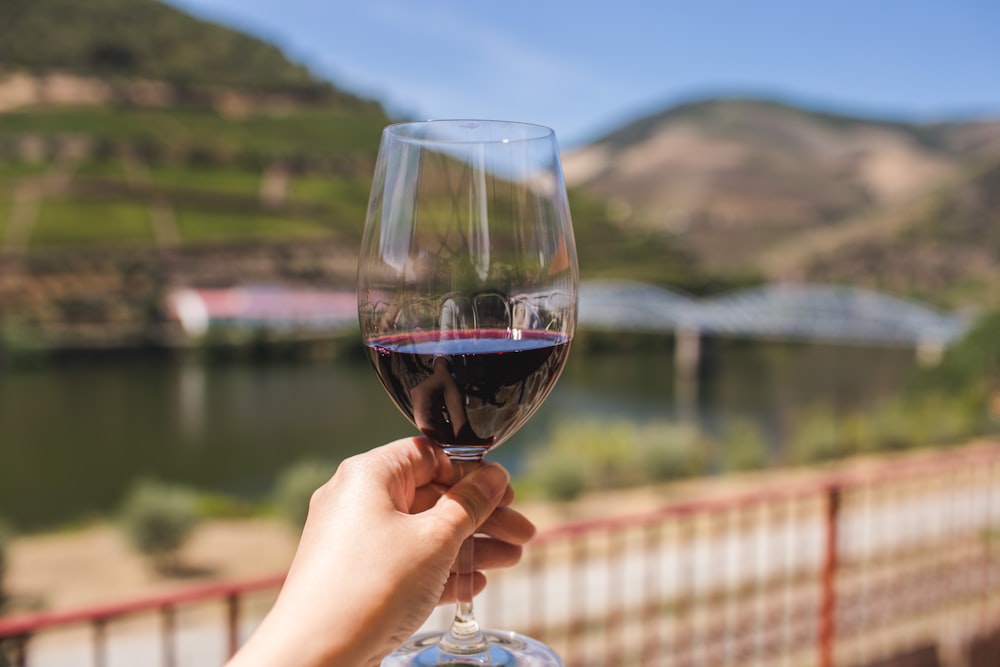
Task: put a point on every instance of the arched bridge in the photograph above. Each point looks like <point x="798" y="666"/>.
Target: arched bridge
<point x="806" y="312"/>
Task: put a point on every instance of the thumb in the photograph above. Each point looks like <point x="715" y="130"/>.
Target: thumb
<point x="468" y="504"/>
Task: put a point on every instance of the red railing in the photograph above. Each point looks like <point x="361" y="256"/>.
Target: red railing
<point x="17" y="631"/>
<point x="841" y="569"/>
<point x="847" y="570"/>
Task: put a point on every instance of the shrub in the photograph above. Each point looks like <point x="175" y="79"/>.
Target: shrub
<point x="742" y="446"/>
<point x="924" y="420"/>
<point x="667" y="451"/>
<point x="295" y="487"/>
<point x="158" y="518"/>
<point x="945" y="420"/>
<point x="582" y="455"/>
<point x="972" y="360"/>
<point x="560" y="478"/>
<point x="817" y="438"/>
<point x="891" y="428"/>
<point x="589" y="455"/>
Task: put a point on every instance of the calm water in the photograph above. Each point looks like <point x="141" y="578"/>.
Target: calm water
<point x="73" y="437"/>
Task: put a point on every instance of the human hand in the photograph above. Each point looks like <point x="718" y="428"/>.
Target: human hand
<point x="376" y="555"/>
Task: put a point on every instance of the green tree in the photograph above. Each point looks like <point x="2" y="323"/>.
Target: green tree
<point x="742" y="446"/>
<point x="972" y="361"/>
<point x="817" y="437"/>
<point x="295" y="486"/>
<point x="596" y="454"/>
<point x="158" y="518"/>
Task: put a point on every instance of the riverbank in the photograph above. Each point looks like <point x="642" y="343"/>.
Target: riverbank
<point x="94" y="565"/>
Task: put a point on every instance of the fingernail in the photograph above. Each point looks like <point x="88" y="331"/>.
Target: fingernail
<point x="492" y="480"/>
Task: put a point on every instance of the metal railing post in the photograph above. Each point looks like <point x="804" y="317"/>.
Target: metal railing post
<point x="100" y="642"/>
<point x="233" y="623"/>
<point x="14" y="649"/>
<point x="169" y="629"/>
<point x="828" y="582"/>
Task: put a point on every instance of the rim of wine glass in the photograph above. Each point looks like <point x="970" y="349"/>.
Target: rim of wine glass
<point x="398" y="131"/>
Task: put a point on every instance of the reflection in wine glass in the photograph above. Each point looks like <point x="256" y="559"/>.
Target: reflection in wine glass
<point x="439" y="408"/>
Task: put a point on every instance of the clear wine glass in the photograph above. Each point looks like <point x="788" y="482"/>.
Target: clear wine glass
<point x="467" y="293"/>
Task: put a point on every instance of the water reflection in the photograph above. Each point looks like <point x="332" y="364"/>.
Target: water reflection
<point x="72" y="438"/>
<point x="191" y="397"/>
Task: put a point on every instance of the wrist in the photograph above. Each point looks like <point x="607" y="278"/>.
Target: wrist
<point x="312" y="630"/>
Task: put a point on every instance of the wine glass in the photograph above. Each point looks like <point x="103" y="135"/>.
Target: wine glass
<point x="467" y="293"/>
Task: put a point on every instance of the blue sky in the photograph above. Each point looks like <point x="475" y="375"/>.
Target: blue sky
<point x="585" y="68"/>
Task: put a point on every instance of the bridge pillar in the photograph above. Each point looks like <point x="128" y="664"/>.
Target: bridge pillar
<point x="929" y="352"/>
<point x="687" y="351"/>
<point x="687" y="362"/>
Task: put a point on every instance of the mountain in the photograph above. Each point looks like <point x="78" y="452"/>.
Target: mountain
<point x="793" y="193"/>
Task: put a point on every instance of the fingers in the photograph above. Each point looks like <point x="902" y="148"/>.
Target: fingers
<point x="391" y="475"/>
<point x="416" y="460"/>
<point x="450" y="593"/>
<point x="467" y="505"/>
<point x="508" y="525"/>
<point x="426" y="497"/>
<point x="508" y="497"/>
<point x="491" y="554"/>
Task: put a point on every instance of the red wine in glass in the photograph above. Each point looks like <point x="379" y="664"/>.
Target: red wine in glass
<point x="471" y="389"/>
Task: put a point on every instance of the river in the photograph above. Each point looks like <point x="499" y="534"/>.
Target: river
<point x="74" y="435"/>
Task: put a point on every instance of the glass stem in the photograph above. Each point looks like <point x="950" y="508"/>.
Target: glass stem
<point x="464" y="636"/>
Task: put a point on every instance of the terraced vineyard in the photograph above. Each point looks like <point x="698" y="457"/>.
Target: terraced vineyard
<point x="100" y="211"/>
<point x="103" y="210"/>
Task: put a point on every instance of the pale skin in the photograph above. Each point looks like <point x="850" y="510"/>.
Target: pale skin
<point x="377" y="552"/>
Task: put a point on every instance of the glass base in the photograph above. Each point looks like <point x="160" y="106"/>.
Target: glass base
<point x="507" y="649"/>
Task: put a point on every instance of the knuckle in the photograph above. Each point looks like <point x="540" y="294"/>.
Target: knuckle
<point x="442" y="531"/>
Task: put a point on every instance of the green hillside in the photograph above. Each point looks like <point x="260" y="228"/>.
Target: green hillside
<point x="88" y="170"/>
<point x="104" y="206"/>
<point x="141" y="38"/>
<point x="184" y="164"/>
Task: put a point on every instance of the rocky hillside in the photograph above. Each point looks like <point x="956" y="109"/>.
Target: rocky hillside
<point x="793" y="193"/>
<point x="945" y="245"/>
